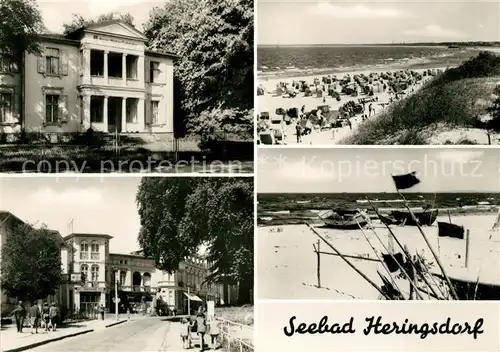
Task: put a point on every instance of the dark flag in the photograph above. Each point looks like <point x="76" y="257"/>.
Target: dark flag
<point x="405" y="181"/>
<point x="450" y="230"/>
<point x="392" y="263"/>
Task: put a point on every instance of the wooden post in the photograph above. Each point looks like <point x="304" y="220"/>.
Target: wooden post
<point x="449" y="216"/>
<point x="318" y="268"/>
<point x="467" y="248"/>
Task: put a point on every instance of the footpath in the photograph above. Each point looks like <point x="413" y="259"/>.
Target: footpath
<point x="12" y="341"/>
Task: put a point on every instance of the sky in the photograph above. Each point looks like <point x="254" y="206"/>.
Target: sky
<point x="288" y="22"/>
<point x="355" y="170"/>
<point x="57" y="12"/>
<point x="100" y="205"/>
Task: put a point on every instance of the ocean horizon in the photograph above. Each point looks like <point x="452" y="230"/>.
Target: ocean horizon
<point x="303" y="60"/>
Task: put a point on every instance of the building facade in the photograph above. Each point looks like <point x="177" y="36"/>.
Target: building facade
<point x="99" y="76"/>
<point x="92" y="276"/>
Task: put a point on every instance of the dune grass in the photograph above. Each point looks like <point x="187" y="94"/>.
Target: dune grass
<point x="241" y="315"/>
<point x="450" y="99"/>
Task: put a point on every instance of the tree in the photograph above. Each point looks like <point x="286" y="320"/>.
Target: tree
<point x="214" y="42"/>
<point x="79" y="21"/>
<point x="180" y="214"/>
<point x="20" y="26"/>
<point x="31" y="263"/>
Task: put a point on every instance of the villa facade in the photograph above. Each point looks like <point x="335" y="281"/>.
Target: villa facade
<point x="99" y="76"/>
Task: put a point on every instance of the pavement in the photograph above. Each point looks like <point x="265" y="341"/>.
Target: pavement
<point x="139" y="334"/>
<point x="12" y="341"/>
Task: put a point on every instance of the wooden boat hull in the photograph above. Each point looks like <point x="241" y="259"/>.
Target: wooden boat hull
<point x="344" y="225"/>
<point x="424" y="218"/>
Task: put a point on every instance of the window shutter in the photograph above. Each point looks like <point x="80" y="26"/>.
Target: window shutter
<point x="146" y="111"/>
<point x="14" y="107"/>
<point x="41" y="62"/>
<point x="64" y="62"/>
<point x="146" y="70"/>
<point x="63" y="108"/>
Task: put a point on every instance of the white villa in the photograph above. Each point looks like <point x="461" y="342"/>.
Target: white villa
<point x="99" y="76"/>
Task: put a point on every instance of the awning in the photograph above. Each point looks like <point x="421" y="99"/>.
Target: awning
<point x="193" y="297"/>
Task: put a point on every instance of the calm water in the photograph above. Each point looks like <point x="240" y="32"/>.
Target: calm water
<point x="293" y="208"/>
<point x="296" y="61"/>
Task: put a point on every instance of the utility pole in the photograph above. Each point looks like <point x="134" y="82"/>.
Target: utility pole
<point x="189" y="303"/>
<point x="116" y="296"/>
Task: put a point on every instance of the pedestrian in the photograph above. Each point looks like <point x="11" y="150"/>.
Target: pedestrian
<point x="19" y="314"/>
<point x="185" y="333"/>
<point x="370" y="110"/>
<point x="298" y="132"/>
<point x="54" y="315"/>
<point x="201" y="328"/>
<point x="128" y="313"/>
<point x="213" y="331"/>
<point x="45" y="315"/>
<point x="101" y="310"/>
<point x="34" y="317"/>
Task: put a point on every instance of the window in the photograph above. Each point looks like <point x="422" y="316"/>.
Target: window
<point x="154" y="71"/>
<point x="52" y="109"/>
<point x="5" y="106"/>
<point x="52" y="61"/>
<point x="8" y="65"/>
<point x="154" y="112"/>
<point x="95" y="273"/>
<point x="84" y="250"/>
<point x="94" y="247"/>
<point x="123" y="276"/>
<point x="84" y="269"/>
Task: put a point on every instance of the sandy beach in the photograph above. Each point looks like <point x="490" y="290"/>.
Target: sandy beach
<point x="287" y="264"/>
<point x="269" y="102"/>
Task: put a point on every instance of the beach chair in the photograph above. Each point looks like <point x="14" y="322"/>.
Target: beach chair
<point x="267" y="138"/>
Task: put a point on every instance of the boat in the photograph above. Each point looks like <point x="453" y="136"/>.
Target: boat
<point x="424" y="217"/>
<point x="447" y="229"/>
<point x="387" y="220"/>
<point x="347" y="222"/>
<point x="466" y="280"/>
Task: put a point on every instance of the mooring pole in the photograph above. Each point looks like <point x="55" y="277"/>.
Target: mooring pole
<point x="467" y="237"/>
<point x="318" y="255"/>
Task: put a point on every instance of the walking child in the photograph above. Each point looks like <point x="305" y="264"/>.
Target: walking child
<point x="53" y="315"/>
<point x="45" y="315"/>
<point x="213" y="331"/>
<point x="34" y="317"/>
<point x="185" y="331"/>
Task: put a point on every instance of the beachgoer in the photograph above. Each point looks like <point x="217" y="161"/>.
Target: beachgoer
<point x="19" y="314"/>
<point x="185" y="333"/>
<point x="45" y="315"/>
<point x="324" y="100"/>
<point x="101" y="311"/>
<point x="201" y="328"/>
<point x="298" y="131"/>
<point x="303" y="109"/>
<point x="370" y="109"/>
<point x="213" y="331"/>
<point x="349" y="123"/>
<point x="34" y="317"/>
<point x="53" y="315"/>
<point x="128" y="313"/>
<point x="333" y="133"/>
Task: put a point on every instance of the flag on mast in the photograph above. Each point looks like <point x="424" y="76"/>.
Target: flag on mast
<point x="405" y="181"/>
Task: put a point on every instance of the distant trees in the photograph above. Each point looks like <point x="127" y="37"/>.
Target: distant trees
<point x="31" y="263"/>
<point x="214" y="41"/>
<point x="178" y="215"/>
<point x="79" y="21"/>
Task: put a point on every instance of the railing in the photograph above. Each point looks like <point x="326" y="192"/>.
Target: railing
<point x="236" y="337"/>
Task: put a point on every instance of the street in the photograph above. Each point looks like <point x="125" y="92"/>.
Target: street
<point x="139" y="334"/>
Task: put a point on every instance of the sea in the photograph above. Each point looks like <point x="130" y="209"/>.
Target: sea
<point x="293" y="208"/>
<point x="294" y="61"/>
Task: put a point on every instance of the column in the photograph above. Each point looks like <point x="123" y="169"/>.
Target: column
<point x="118" y="277"/>
<point x="86" y="112"/>
<point x="105" y="113"/>
<point x="86" y="66"/>
<point x="77" y="300"/>
<point x="130" y="281"/>
<point x="124" y="69"/>
<point x="124" y="115"/>
<point x="141" y="118"/>
<point x="140" y="70"/>
<point x="106" y="65"/>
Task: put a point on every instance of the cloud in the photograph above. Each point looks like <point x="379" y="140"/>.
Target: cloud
<point x="357" y="12"/>
<point x="69" y="197"/>
<point x="433" y="30"/>
<point x="458" y="156"/>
